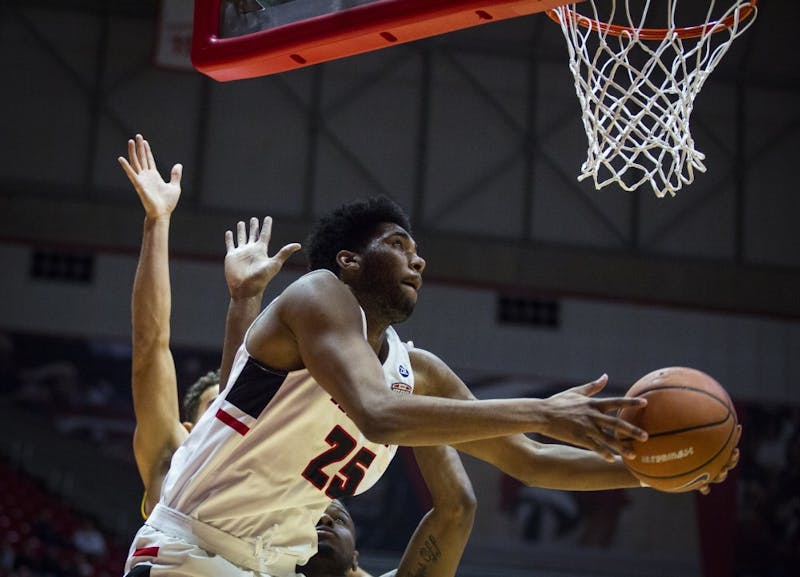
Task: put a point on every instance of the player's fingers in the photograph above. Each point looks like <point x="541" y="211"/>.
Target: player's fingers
<point x="618" y="444"/>
<point x="253" y="229"/>
<point x="228" y="241"/>
<point x="705" y="490"/>
<point x="613" y="404"/>
<point x="175" y="175"/>
<point x="283" y="255"/>
<point x="738" y="434"/>
<point x="733" y="461"/>
<point x="621" y="429"/>
<point x="151" y="162"/>
<point x="625" y="448"/>
<point x="133" y="156"/>
<point x="141" y="153"/>
<point x="241" y="233"/>
<point x="592" y="388"/>
<point x="266" y="231"/>
<point x="127" y="168"/>
<point x="601" y="447"/>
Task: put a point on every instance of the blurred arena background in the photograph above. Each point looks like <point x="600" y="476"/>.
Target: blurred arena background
<point x="535" y="282"/>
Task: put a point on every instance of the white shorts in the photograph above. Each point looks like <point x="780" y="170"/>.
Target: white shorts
<point x="153" y="554"/>
<point x="171" y="544"/>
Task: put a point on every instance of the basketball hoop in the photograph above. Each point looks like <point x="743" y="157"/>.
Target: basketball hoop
<point x="637" y="85"/>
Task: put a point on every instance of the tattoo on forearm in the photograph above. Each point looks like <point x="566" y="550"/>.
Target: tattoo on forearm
<point x="430" y="551"/>
<point x="429" y="554"/>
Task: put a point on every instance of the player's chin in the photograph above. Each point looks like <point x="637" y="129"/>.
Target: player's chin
<point x="402" y="308"/>
<point x="325" y="548"/>
<point x="404" y="314"/>
<point x="410" y="292"/>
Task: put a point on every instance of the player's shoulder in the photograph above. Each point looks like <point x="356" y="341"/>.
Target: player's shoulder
<point x="320" y="284"/>
<point x="315" y="288"/>
<point x="318" y="297"/>
<point x="314" y="279"/>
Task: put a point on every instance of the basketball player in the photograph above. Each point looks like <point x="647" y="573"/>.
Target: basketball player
<point x="248" y="270"/>
<point x="266" y="550"/>
<point x="444" y="530"/>
<point x="437" y="544"/>
<point x="245" y="489"/>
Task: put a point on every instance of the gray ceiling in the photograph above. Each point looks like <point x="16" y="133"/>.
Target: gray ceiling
<point x="476" y="133"/>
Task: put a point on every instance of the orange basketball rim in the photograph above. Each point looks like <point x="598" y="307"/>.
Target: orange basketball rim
<point x="712" y="26"/>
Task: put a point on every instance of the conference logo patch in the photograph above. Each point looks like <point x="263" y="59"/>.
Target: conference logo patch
<point x="402" y="388"/>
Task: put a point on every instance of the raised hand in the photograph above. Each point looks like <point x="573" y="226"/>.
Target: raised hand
<point x="248" y="266"/>
<point x="158" y="197"/>
<point x="578" y="418"/>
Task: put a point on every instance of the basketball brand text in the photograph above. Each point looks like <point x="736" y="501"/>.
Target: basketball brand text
<point x="664" y="457"/>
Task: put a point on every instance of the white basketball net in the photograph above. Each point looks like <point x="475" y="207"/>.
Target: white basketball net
<point x="636" y="95"/>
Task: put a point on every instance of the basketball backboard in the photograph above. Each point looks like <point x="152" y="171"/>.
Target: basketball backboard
<point x="236" y="39"/>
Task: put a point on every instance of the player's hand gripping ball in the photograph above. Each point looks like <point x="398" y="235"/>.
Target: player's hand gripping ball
<point x="691" y="425"/>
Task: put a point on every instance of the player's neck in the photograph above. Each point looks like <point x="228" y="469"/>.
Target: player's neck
<point x="376" y="337"/>
<point x="377" y="323"/>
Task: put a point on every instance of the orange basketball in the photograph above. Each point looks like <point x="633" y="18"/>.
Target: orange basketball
<point x="691" y="425"/>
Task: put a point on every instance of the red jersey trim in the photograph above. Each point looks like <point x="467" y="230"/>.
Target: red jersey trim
<point x="232" y="422"/>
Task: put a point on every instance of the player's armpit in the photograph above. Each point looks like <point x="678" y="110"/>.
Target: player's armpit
<point x="434" y="378"/>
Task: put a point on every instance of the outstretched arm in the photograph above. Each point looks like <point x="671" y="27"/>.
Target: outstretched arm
<point x="153" y="381"/>
<point x="248" y="271"/>
<point x="317" y="324"/>
<point x="436" y="547"/>
<point x="546" y="465"/>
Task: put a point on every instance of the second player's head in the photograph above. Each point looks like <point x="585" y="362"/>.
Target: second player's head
<point x="199" y="396"/>
<point x="336" y="544"/>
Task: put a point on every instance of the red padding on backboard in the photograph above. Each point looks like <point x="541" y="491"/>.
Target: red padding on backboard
<point x="356" y="30"/>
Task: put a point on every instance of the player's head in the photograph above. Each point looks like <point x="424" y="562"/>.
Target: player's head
<point x="368" y="245"/>
<point x="336" y="544"/>
<point x="199" y="396"/>
<point x="350" y="227"/>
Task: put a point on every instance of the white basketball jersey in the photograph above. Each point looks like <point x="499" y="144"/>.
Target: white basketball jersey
<point x="271" y="452"/>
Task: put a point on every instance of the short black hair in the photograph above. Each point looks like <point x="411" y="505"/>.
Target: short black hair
<point x="191" y="399"/>
<point x="350" y="227"/>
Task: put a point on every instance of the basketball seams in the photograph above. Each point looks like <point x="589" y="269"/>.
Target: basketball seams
<point x="688" y="429"/>
<point x="690" y="471"/>
<point x="655" y="388"/>
<point x="649" y="389"/>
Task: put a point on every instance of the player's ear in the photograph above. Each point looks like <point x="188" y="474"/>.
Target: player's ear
<point x="188" y="426"/>
<point x="354" y="566"/>
<point x="348" y="260"/>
